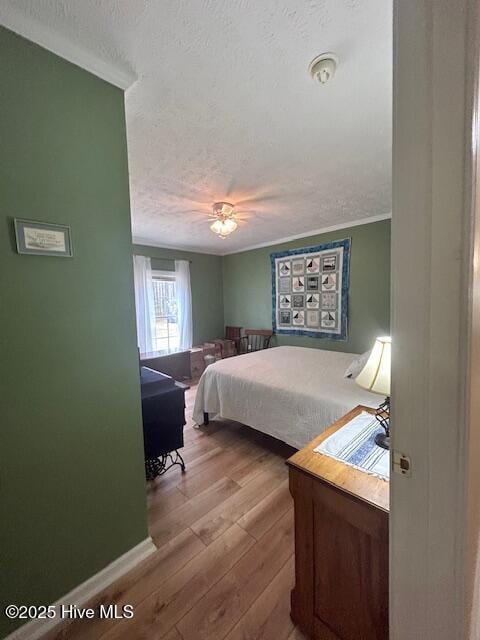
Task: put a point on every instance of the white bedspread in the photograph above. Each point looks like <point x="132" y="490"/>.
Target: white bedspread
<point x="291" y="393"/>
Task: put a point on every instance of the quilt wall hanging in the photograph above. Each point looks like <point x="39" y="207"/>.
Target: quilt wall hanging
<point x="310" y="290"/>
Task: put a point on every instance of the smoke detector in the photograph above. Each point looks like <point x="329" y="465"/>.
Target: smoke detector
<point x="323" y="67"/>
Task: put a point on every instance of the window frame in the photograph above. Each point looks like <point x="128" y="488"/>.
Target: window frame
<point x="158" y="274"/>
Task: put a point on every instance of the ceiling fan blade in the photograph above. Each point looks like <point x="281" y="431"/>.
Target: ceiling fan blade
<point x="197" y="211"/>
<point x="230" y="187"/>
<point x="247" y="213"/>
<point x="259" y="200"/>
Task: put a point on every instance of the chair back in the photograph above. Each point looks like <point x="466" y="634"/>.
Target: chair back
<point x="255" y="340"/>
<point x="234" y="333"/>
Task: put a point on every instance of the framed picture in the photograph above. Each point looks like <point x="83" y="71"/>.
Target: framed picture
<point x="43" y="239"/>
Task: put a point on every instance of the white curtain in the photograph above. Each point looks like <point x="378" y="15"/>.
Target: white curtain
<point x="184" y="303"/>
<point x="144" y="303"/>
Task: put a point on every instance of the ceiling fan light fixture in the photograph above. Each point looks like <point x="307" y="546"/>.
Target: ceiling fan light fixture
<point x="230" y="225"/>
<point x="225" y="222"/>
<point x="223" y="227"/>
<point x="222" y="209"/>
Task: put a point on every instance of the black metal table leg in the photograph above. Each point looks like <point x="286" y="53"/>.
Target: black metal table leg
<point x="158" y="466"/>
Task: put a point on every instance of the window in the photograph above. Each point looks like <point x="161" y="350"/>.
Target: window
<point x="166" y="317"/>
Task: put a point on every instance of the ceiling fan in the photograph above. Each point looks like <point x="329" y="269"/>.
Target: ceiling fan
<point x="224" y="219"/>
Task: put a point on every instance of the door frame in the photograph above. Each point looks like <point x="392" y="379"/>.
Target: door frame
<point x="433" y="518"/>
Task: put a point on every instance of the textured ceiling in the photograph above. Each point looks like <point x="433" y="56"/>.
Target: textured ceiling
<point x="224" y="109"/>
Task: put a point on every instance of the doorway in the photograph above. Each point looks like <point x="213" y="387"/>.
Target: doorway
<point x="431" y="256"/>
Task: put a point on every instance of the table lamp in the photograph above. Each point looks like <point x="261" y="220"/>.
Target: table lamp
<point x="375" y="376"/>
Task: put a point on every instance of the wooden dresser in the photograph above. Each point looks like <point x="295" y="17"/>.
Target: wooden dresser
<point x="172" y="362"/>
<point x="341" y="546"/>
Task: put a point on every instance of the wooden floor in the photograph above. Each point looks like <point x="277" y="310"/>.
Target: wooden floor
<point x="224" y="532"/>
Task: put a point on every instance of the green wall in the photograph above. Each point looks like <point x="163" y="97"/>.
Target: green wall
<point x="71" y="454"/>
<point x="207" y="287"/>
<point x="247" y="287"/>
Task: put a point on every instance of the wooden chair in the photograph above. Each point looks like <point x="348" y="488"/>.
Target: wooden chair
<point x="255" y="340"/>
<point x="234" y="333"/>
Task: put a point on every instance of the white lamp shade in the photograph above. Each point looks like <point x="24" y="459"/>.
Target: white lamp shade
<point x="375" y="375"/>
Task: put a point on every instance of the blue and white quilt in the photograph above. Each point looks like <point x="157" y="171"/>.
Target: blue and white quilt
<point x="310" y="290"/>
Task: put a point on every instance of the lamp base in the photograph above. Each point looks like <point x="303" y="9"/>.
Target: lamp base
<point x="382" y="414"/>
<point x="382" y="440"/>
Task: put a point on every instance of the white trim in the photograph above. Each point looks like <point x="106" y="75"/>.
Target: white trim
<point x="431" y="168"/>
<point x="314" y="232"/>
<point x="55" y="42"/>
<point x="152" y="243"/>
<point x="36" y="629"/>
<point x="470" y="444"/>
<point x="269" y="243"/>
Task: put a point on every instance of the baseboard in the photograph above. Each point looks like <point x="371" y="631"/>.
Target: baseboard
<point x="35" y="629"/>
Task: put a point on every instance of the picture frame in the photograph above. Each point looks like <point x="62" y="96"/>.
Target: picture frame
<point x="34" y="237"/>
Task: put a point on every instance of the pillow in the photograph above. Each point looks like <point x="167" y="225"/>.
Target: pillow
<point x="357" y="365"/>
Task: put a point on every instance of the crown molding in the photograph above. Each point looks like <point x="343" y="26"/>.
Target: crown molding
<point x="269" y="243"/>
<point x="314" y="232"/>
<point x="48" y="38"/>
<point x="152" y="243"/>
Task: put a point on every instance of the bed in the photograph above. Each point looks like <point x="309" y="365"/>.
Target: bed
<point x="290" y="393"/>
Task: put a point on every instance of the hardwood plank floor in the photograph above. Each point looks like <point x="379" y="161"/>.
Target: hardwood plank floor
<point x="167" y="605"/>
<point x="224" y="532"/>
<point x="231" y="597"/>
<point x="269" y="616"/>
